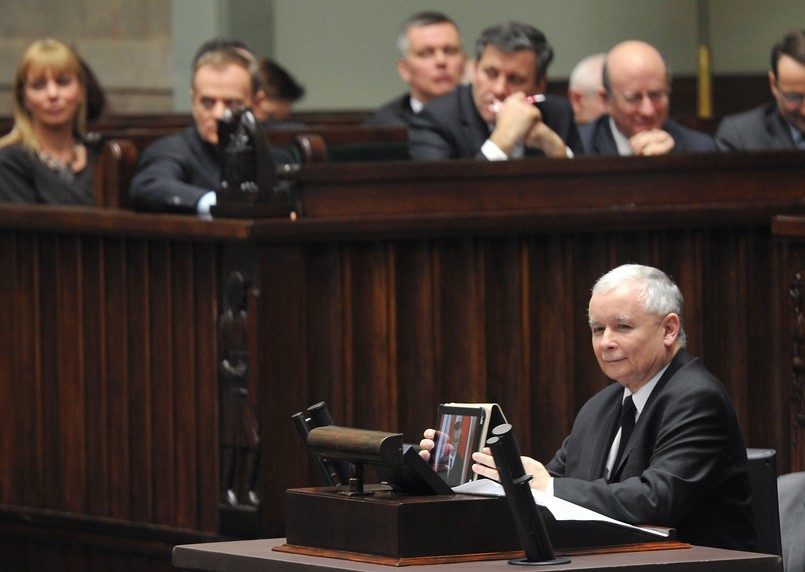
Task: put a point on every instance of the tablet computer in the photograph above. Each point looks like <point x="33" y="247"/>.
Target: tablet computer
<point x="459" y="433"/>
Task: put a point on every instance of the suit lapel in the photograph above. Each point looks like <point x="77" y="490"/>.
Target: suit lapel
<point x="604" y="142"/>
<point x="594" y="452"/>
<point x="680" y="359"/>
<point x="475" y="129"/>
<point x="778" y="129"/>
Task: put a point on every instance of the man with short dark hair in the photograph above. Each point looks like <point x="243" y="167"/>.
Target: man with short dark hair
<point x="637" y="89"/>
<point x="493" y="119"/>
<point x="181" y="172"/>
<point x="280" y="91"/>
<point x="776" y="125"/>
<point x="430" y="59"/>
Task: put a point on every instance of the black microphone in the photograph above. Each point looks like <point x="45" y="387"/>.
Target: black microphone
<point x="527" y="519"/>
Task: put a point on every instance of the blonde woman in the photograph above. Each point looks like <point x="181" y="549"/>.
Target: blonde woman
<point x="45" y="158"/>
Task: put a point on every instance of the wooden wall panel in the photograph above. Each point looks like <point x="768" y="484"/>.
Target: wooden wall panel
<point x="790" y="286"/>
<point x="109" y="415"/>
<point x="111" y="344"/>
<point x="503" y="318"/>
<point x="116" y="299"/>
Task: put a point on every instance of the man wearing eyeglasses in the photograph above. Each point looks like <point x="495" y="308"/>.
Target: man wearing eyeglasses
<point x="636" y="90"/>
<point x="779" y="124"/>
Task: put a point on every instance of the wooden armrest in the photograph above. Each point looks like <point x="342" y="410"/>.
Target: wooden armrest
<point x="113" y="172"/>
<point x="311" y="147"/>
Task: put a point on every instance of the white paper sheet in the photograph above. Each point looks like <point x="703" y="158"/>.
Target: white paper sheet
<point x="560" y="508"/>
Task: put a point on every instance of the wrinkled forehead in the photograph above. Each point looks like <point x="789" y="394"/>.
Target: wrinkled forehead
<point x="620" y="299"/>
<point x="433" y="34"/>
<point x="643" y="78"/>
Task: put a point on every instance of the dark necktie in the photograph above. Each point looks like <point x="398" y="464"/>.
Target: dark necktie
<point x="627" y="425"/>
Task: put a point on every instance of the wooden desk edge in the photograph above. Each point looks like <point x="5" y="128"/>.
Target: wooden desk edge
<point x="458" y="558"/>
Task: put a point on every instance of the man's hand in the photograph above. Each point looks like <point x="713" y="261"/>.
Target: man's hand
<point x="652" y="142"/>
<point x="485" y="465"/>
<point x="427" y="444"/>
<point x="543" y="137"/>
<point x="515" y="119"/>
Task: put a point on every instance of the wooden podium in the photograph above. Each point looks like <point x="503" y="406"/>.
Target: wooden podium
<point x="390" y="528"/>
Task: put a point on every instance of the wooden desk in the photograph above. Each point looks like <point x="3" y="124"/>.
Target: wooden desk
<point x="258" y="556"/>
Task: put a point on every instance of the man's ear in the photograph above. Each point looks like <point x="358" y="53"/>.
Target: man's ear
<point x="541" y="85"/>
<point x="258" y="98"/>
<point x="575" y="95"/>
<point x="404" y="71"/>
<point x="604" y="96"/>
<point x="671" y="327"/>
<point x="772" y="84"/>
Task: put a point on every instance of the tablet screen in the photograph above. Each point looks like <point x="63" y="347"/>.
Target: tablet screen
<point x="458" y="437"/>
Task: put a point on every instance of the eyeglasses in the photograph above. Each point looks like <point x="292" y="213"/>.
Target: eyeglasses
<point x="791" y="98"/>
<point x="635" y="98"/>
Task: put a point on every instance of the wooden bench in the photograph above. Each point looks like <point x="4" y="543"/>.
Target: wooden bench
<point x="117" y="162"/>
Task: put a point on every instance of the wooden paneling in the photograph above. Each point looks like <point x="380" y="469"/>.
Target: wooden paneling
<point x="790" y="234"/>
<point x="105" y="343"/>
<point x="398" y="290"/>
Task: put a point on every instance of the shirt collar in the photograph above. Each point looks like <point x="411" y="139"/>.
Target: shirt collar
<point x="640" y="397"/>
<point x="416" y="105"/>
<point x="798" y="136"/>
<point x="621" y="141"/>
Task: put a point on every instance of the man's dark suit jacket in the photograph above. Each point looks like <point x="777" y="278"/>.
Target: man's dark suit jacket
<point x="175" y="171"/>
<point x="598" y="139"/>
<point x="684" y="466"/>
<point x="755" y="130"/>
<point x="449" y="127"/>
<point x="395" y="113"/>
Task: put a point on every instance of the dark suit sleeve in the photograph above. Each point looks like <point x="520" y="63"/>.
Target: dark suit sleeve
<point x="16" y="179"/>
<point x="558" y="115"/>
<point x="160" y="184"/>
<point x="396" y="113"/>
<point x="728" y="136"/>
<point x="431" y="139"/>
<point x="664" y="482"/>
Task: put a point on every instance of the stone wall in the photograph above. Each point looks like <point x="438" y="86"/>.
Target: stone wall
<point x="128" y="45"/>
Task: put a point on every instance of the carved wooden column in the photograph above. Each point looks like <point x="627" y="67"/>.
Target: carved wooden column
<point x="240" y="433"/>
<point x="797" y="292"/>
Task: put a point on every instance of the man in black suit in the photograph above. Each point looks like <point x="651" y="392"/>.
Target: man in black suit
<point x="430" y="60"/>
<point x="776" y="125"/>
<point x="491" y="118"/>
<point x="636" y="88"/>
<point x="684" y="463"/>
<point x="181" y="172"/>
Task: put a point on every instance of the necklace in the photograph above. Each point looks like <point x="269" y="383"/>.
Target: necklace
<point x="64" y="169"/>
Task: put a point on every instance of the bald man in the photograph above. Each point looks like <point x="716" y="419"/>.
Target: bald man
<point x="636" y="89"/>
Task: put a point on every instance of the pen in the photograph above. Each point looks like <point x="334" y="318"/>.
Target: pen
<point x="536" y="98"/>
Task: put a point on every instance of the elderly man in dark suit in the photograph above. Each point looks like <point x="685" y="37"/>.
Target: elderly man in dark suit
<point x="776" y="125"/>
<point x="636" y="89"/>
<point x="662" y="445"/>
<point x="492" y="119"/>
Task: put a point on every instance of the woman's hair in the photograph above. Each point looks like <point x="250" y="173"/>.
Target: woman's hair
<point x="41" y="56"/>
